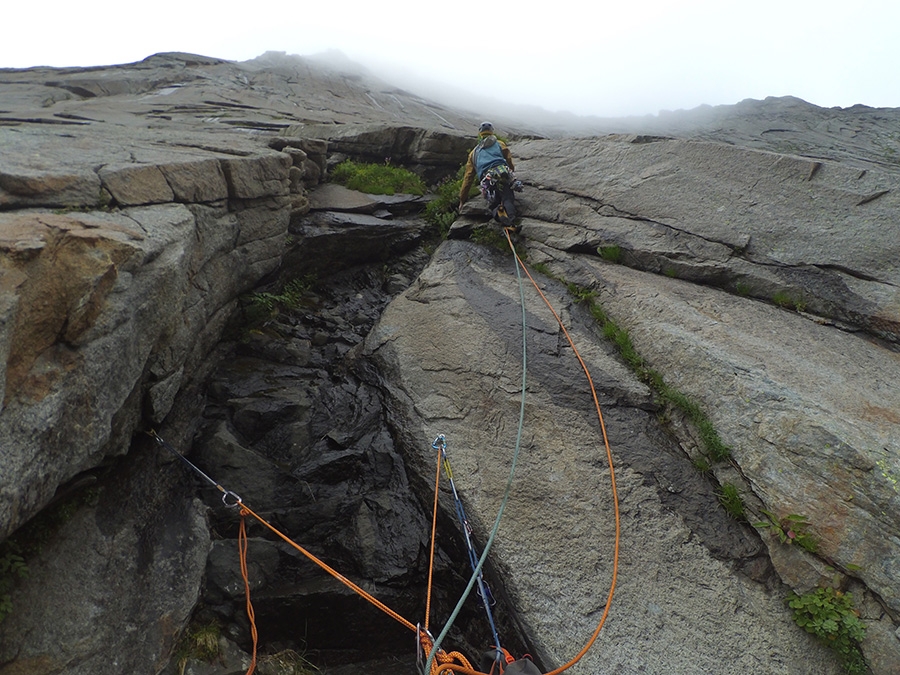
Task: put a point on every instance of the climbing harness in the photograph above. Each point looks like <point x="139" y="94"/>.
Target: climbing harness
<point x="497" y="187"/>
<point x="432" y="660"/>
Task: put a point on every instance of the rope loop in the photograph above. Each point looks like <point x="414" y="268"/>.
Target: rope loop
<point x="243" y="543"/>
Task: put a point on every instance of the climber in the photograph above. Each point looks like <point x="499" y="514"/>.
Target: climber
<point x="492" y="163"/>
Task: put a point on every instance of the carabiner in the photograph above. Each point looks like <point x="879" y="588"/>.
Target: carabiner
<point x="237" y="499"/>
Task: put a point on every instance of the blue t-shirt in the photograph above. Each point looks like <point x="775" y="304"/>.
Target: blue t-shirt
<point x="488" y="154"/>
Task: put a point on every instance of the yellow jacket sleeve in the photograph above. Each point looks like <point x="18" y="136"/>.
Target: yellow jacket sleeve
<point x="468" y="178"/>
<point x="507" y="156"/>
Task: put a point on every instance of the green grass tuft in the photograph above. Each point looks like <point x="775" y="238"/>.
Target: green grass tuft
<point x="713" y="447"/>
<point x="731" y="501"/>
<point x="610" y="253"/>
<point x="787" y="301"/>
<point x="441" y="211"/>
<point x="377" y="179"/>
<point x="200" y="642"/>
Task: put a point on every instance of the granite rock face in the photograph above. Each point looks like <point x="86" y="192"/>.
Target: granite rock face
<point x="749" y="252"/>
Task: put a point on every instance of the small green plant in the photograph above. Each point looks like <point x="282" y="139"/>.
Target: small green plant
<point x="542" y="268"/>
<point x="671" y="272"/>
<point x="104" y="199"/>
<point x="731" y="501"/>
<point x="441" y="210"/>
<point x="714" y="448"/>
<point x="742" y="288"/>
<point x="829" y="614"/>
<point x="489" y="236"/>
<point x="377" y="179"/>
<point x="260" y="307"/>
<point x="701" y="464"/>
<point x="790" y="530"/>
<point x="787" y="301"/>
<point x="291" y="296"/>
<point x="28" y="541"/>
<point x="581" y="294"/>
<point x="199" y="642"/>
<point x="622" y="340"/>
<point x="610" y="253"/>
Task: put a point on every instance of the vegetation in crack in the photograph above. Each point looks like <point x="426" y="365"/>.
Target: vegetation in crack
<point x="200" y="642"/>
<point x="441" y="211"/>
<point x="377" y="179"/>
<point x="387" y="179"/>
<point x="12" y="568"/>
<point x="788" y="301"/>
<point x="104" y="202"/>
<point x="730" y="499"/>
<point x="713" y="448"/>
<point x="829" y="614"/>
<point x="259" y="309"/>
<point x="491" y="236"/>
<point x="610" y="253"/>
<point x="791" y="529"/>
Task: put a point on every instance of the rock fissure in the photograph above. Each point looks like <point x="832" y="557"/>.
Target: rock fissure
<point x="856" y="274"/>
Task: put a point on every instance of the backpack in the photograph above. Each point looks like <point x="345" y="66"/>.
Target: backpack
<point x="488" y="154"/>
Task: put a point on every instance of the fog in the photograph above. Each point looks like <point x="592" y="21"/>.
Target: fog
<point x="605" y="58"/>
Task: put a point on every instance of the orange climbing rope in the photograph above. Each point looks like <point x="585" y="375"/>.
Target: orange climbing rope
<point x="609" y="458"/>
<point x="251" y="615"/>
<point x="443" y="660"/>
<point x="337" y="575"/>
<point x="437" y="485"/>
<point x="455" y="661"/>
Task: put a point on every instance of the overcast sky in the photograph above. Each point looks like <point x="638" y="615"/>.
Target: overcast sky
<point x="600" y="57"/>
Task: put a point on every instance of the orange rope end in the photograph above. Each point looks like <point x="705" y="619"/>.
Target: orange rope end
<point x="242" y="552"/>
